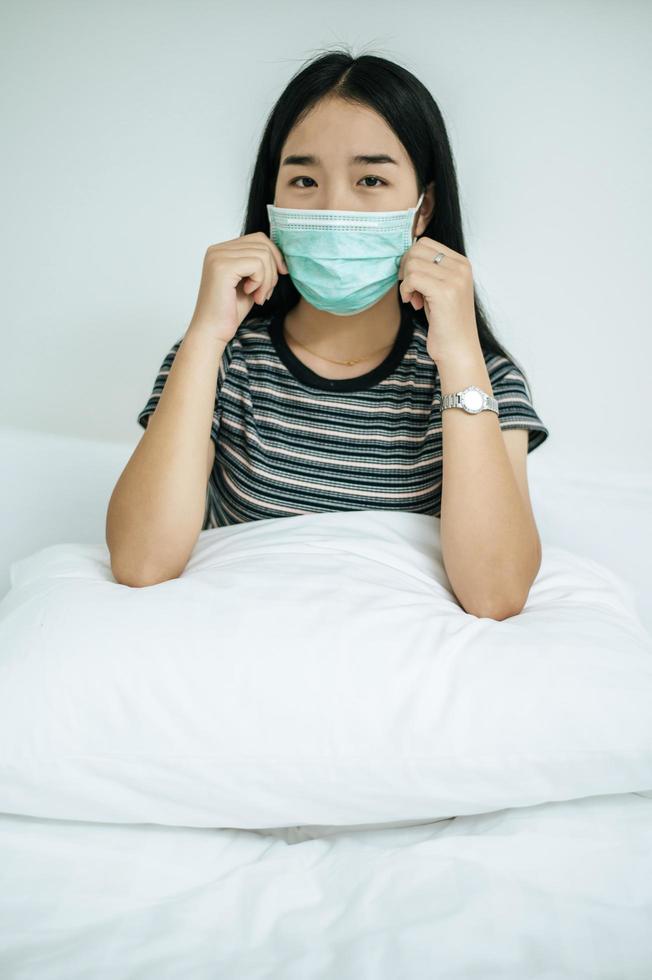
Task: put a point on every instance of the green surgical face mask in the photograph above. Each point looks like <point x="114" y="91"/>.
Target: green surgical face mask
<point x="342" y="261"/>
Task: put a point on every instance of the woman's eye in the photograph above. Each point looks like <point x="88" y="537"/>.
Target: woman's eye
<point x="363" y="178"/>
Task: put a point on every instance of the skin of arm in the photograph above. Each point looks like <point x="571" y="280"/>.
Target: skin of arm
<point x="491" y="547"/>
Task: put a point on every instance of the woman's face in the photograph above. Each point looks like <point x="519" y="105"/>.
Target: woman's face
<point x="333" y="133"/>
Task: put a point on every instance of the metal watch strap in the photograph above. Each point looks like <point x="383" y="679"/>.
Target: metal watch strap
<point x="454" y="400"/>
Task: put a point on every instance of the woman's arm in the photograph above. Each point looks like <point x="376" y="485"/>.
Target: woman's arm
<point x="490" y="544"/>
<point x="157" y="507"/>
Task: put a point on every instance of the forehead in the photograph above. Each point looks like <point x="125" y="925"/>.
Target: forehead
<point x="334" y="129"/>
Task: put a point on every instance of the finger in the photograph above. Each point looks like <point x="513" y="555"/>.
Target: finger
<point x="254" y="281"/>
<point x="416" y="299"/>
<point x="423" y="265"/>
<point x="269" y="272"/>
<point x="259" y="237"/>
<point x="278" y="255"/>
<point x="418" y="281"/>
<point x="433" y="246"/>
<point x="262" y="285"/>
<point x="271" y="277"/>
<point x="272" y="272"/>
<point x="414" y="255"/>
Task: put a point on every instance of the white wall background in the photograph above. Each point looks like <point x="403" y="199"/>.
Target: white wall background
<point x="129" y="136"/>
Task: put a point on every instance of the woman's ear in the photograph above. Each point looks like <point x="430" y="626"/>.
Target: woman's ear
<point x="427" y="209"/>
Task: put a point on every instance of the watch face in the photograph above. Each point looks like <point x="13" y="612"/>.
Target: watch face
<point x="472" y="399"/>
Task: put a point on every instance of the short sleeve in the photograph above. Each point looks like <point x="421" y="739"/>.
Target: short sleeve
<point x="515" y="405"/>
<point x="162" y="376"/>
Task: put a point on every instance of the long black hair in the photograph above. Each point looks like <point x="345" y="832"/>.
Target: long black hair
<point x="410" y="110"/>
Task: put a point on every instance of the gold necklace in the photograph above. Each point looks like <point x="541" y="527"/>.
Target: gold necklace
<point x="347" y="363"/>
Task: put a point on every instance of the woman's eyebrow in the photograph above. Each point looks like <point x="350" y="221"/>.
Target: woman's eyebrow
<point x="304" y="160"/>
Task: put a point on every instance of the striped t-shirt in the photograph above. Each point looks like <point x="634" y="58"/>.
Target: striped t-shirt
<point x="288" y="441"/>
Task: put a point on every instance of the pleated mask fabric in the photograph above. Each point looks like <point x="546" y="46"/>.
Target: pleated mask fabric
<point x="342" y="261"/>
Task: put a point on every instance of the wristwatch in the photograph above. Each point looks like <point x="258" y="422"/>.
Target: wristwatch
<point x="472" y="399"/>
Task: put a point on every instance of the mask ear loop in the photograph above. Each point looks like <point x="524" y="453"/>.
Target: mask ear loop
<point x="416" y="210"/>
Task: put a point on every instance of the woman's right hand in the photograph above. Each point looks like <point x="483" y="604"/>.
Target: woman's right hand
<point x="236" y="274"/>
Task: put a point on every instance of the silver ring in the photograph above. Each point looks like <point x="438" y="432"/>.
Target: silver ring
<point x="439" y="256"/>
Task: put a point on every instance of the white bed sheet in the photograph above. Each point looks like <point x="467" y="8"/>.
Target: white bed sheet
<point x="561" y="891"/>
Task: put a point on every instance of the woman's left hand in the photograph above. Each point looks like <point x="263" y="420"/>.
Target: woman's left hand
<point x="445" y="290"/>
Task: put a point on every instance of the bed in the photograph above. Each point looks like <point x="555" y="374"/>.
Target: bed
<point x="398" y="790"/>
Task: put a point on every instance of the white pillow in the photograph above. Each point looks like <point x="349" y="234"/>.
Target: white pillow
<point x="314" y="669"/>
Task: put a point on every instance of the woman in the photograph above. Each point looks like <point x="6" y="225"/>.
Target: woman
<point x="311" y="379"/>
